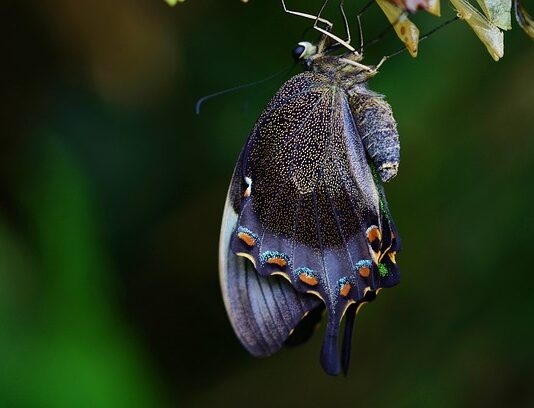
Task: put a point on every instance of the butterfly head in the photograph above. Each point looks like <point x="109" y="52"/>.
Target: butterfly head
<point x="304" y="51"/>
<point x="343" y="68"/>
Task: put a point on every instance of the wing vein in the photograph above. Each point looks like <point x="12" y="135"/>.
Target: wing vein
<point x="320" y="240"/>
<point x="266" y="334"/>
<point x="261" y="341"/>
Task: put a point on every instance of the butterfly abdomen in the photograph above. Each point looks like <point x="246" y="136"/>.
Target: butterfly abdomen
<point x="378" y="131"/>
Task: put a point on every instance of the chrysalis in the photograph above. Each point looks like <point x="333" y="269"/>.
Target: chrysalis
<point x="306" y="225"/>
<point x="490" y="35"/>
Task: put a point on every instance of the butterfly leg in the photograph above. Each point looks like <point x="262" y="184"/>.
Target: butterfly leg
<point x="324" y="31"/>
<point x="360" y="30"/>
<point x="345" y="21"/>
<point x="308" y="16"/>
<point x="384" y="59"/>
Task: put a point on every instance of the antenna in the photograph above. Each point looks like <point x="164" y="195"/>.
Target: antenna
<point x="358" y="18"/>
<point x="201" y="101"/>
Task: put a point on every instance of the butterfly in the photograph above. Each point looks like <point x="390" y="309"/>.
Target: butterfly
<point x="306" y="228"/>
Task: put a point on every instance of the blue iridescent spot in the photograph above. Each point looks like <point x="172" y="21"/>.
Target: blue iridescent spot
<point x="364" y="263"/>
<point x="305" y="271"/>
<point x="306" y="275"/>
<point x="364" y="267"/>
<point x="247" y="236"/>
<point x="274" y="257"/>
<point x="344" y="286"/>
<point x="247" y="231"/>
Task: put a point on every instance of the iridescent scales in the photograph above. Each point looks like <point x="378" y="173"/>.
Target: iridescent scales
<point x="344" y="286"/>
<point x="274" y="258"/>
<point x="379" y="249"/>
<point x="306" y="275"/>
<point x="383" y="270"/>
<point x="364" y="268"/>
<point x="247" y="236"/>
<point x="374" y="237"/>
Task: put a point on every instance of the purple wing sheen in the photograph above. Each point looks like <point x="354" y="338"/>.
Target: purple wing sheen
<point x="263" y="310"/>
<point x="310" y="208"/>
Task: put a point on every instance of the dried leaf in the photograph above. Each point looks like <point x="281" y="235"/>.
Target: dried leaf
<point x="173" y="3"/>
<point x="488" y="33"/>
<point x="524" y="19"/>
<point x="405" y="29"/>
<point x="432" y="6"/>
<point x="498" y="12"/>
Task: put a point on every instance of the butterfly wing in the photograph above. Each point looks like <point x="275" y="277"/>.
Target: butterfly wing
<point x="263" y="310"/>
<point x="309" y="207"/>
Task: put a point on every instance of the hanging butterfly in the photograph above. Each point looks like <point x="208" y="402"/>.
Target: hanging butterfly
<point x="306" y="225"/>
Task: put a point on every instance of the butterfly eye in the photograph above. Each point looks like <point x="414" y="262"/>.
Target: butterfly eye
<point x="298" y="51"/>
<point x="304" y="50"/>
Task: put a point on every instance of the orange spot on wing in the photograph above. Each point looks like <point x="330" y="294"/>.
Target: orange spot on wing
<point x="309" y="280"/>
<point x="364" y="271"/>
<point x="277" y="261"/>
<point x="247" y="238"/>
<point x="373" y="233"/>
<point x="345" y="289"/>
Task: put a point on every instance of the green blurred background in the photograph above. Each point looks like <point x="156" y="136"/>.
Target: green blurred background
<point x="111" y="193"/>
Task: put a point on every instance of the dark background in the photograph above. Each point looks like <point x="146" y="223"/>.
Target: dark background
<point x="111" y="193"/>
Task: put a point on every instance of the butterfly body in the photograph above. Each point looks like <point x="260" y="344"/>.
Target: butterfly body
<point x="306" y="220"/>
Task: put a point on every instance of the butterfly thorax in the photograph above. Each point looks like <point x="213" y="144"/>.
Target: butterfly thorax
<point x="371" y="113"/>
<point x="345" y="71"/>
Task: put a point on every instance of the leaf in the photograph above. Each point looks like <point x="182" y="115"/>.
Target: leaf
<point x="432" y="6"/>
<point x="405" y="29"/>
<point x="525" y="21"/>
<point x="488" y="33"/>
<point x="498" y="12"/>
<point x="173" y="3"/>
